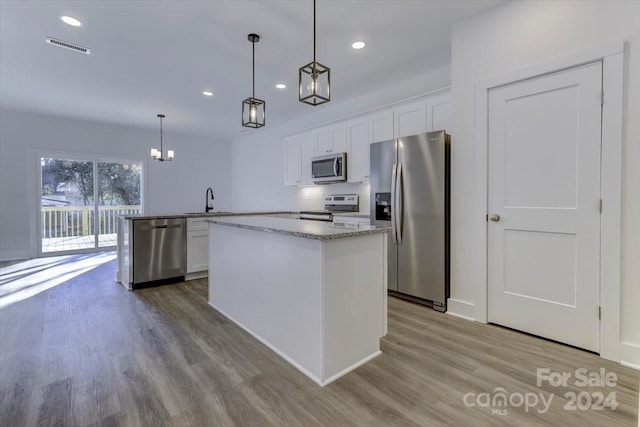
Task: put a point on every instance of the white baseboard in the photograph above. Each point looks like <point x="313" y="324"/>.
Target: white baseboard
<point x="630" y="355"/>
<point x="350" y="368"/>
<point x="14" y="255"/>
<point x="280" y="353"/>
<point x="196" y="275"/>
<point x="462" y="309"/>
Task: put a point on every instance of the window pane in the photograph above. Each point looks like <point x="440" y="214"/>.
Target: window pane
<point x="118" y="194"/>
<point x="67" y="205"/>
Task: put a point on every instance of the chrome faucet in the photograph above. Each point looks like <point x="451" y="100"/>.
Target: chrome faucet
<point x="207" y="206"/>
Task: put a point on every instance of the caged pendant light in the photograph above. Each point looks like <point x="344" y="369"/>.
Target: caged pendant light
<point x="157" y="154"/>
<point x="314" y="79"/>
<point x="253" y="109"/>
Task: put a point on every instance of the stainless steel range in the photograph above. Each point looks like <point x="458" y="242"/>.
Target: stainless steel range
<point x="332" y="204"/>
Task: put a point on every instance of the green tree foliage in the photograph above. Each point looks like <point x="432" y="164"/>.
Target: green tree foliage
<point x="119" y="184"/>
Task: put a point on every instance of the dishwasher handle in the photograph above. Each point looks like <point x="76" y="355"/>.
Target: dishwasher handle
<point x="161" y="227"/>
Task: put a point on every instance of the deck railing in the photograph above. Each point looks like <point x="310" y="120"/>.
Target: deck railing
<point x="74" y="221"/>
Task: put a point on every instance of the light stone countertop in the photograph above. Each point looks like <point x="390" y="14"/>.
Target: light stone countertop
<point x="221" y="213"/>
<point x="308" y="229"/>
<point x="353" y="214"/>
<point x="203" y="214"/>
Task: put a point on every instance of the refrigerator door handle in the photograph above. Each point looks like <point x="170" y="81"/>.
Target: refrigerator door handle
<point x="393" y="203"/>
<point x="399" y="205"/>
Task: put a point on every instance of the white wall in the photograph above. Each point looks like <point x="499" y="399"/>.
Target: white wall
<point x="171" y="187"/>
<point x="519" y="34"/>
<point x="258" y="157"/>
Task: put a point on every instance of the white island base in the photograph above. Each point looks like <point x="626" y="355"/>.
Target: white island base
<point x="318" y="303"/>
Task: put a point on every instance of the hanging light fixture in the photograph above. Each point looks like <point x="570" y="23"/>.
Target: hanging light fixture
<point x="157" y="154"/>
<point x="253" y="109"/>
<point x="314" y="79"/>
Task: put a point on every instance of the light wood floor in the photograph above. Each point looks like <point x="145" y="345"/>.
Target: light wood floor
<point x="88" y="352"/>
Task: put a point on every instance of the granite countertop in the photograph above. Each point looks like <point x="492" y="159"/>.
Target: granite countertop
<point x="353" y="214"/>
<point x="203" y="214"/>
<point x="307" y="229"/>
<point x="219" y="213"/>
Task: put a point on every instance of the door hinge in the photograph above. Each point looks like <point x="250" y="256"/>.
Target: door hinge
<point x="600" y="205"/>
<point x="602" y="98"/>
<point x="486" y="218"/>
<point x="599" y="312"/>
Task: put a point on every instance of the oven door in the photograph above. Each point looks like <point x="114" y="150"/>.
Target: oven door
<point x="329" y="168"/>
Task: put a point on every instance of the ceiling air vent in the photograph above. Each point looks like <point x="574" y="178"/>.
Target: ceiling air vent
<point x="68" y="45"/>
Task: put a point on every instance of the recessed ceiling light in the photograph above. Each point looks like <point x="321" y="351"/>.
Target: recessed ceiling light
<point x="281" y="86"/>
<point x="207" y="93"/>
<point x="358" y="45"/>
<point x="70" y="20"/>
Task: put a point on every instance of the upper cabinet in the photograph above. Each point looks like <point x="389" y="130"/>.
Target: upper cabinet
<point x="292" y="160"/>
<point x="306" y="153"/>
<point x="426" y="114"/>
<point x="298" y="151"/>
<point x="358" y="150"/>
<point x="439" y="113"/>
<point x="331" y="139"/>
<point x="381" y="125"/>
<point x="410" y="119"/>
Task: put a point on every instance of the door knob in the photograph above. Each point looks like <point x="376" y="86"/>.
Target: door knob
<point x="495" y="217"/>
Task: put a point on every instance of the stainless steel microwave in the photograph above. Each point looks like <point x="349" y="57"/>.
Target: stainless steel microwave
<point x="329" y="168"/>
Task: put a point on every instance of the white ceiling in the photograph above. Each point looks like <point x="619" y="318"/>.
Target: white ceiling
<point x="150" y="57"/>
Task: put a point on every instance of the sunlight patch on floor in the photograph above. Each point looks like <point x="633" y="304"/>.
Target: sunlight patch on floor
<point x="28" y="278"/>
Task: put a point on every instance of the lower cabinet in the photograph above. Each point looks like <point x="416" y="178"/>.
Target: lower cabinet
<point x="197" y="248"/>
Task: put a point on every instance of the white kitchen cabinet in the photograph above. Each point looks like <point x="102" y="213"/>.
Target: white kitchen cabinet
<point x="439" y="113"/>
<point x="358" y="150"/>
<point x="292" y="160"/>
<point x="298" y="151"/>
<point x="410" y="119"/>
<point x="338" y="134"/>
<point x="331" y="139"/>
<point x="426" y="114"/>
<point x="197" y="248"/>
<point x="323" y="141"/>
<point x="306" y="153"/>
<point x="381" y="125"/>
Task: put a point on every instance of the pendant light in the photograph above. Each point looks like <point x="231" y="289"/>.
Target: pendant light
<point x="253" y="109"/>
<point x="157" y="155"/>
<point x="314" y="79"/>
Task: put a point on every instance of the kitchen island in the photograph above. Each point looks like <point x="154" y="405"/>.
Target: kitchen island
<point x="312" y="292"/>
<point x="139" y="264"/>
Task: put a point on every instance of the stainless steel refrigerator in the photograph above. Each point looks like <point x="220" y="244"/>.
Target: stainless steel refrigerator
<point x="410" y="192"/>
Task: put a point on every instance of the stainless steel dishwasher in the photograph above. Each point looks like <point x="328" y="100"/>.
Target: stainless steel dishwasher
<point x="159" y="250"/>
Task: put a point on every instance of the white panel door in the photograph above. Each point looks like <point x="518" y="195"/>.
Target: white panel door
<point x="544" y="184"/>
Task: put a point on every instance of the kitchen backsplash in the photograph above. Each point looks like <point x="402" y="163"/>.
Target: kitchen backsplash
<point x="312" y="197"/>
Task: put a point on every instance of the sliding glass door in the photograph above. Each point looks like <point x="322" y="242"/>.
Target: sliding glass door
<point x="81" y="199"/>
